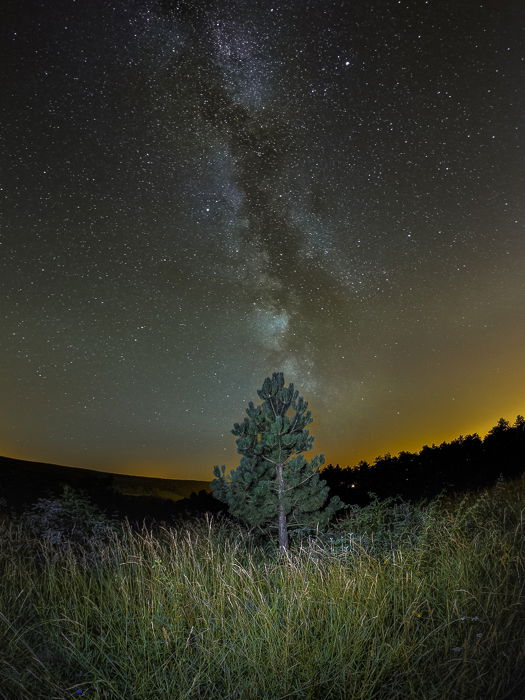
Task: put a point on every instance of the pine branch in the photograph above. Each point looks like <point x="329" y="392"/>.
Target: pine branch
<point x="301" y="482"/>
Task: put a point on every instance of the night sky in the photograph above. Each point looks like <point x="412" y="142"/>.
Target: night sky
<point x="198" y="194"/>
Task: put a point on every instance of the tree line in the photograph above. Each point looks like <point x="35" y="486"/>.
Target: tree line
<point x="468" y="462"/>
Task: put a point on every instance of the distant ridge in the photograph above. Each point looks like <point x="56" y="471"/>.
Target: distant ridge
<point x="22" y="480"/>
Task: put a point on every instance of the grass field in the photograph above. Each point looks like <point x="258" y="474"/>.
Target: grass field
<point x="395" y="602"/>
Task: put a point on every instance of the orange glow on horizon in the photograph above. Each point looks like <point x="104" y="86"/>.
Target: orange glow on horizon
<point x="340" y="454"/>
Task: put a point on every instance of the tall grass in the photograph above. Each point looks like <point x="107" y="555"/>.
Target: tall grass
<point x="396" y="602"/>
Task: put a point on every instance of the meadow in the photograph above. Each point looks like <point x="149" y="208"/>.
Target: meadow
<point x="395" y="601"/>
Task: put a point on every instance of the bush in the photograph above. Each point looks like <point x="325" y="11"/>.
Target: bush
<point x="70" y="523"/>
<point x="378" y="528"/>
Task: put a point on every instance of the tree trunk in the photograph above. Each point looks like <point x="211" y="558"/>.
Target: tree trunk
<point x="283" y="529"/>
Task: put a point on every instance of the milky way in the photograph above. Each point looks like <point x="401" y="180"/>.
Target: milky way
<point x="199" y="194"/>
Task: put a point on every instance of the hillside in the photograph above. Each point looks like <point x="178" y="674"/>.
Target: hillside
<point x="24" y="482"/>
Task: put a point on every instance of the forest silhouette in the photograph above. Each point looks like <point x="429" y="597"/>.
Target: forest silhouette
<point x="466" y="463"/>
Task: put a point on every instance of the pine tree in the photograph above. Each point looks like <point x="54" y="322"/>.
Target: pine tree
<point x="273" y="482"/>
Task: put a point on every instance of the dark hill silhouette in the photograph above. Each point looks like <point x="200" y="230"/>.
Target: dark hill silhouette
<point x="23" y="482"/>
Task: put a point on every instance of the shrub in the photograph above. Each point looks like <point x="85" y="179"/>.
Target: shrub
<point x="70" y="523"/>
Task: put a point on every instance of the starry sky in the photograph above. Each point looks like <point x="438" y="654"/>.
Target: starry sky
<point x="197" y="194"/>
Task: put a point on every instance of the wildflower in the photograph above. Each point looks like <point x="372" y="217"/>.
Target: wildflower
<point x="456" y="649"/>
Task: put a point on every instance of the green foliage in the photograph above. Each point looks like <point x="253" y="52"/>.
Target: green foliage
<point x="266" y="439"/>
<point x="382" y="526"/>
<point x="70" y="523"/>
